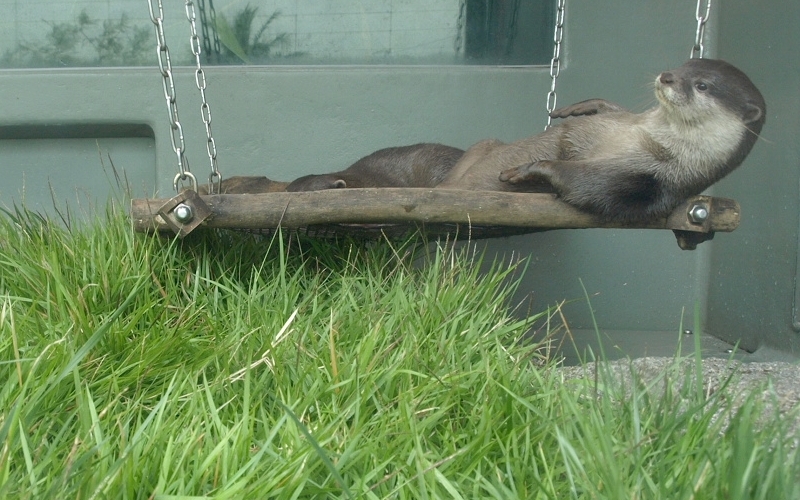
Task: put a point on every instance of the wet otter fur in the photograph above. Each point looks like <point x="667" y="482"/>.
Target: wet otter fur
<point x="623" y="166"/>
<point x="419" y="165"/>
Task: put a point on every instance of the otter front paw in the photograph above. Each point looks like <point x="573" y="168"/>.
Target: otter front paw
<point x="536" y="171"/>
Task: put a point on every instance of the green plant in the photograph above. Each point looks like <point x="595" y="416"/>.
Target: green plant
<point x="241" y="44"/>
<point x="85" y="42"/>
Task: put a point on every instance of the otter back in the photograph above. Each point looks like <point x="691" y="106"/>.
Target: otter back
<point x="418" y="165"/>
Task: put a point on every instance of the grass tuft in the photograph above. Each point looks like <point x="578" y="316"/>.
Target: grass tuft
<point x="233" y="366"/>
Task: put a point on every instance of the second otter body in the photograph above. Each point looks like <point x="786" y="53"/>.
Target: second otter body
<point x="419" y="165"/>
<point x="624" y="166"/>
<point x="246" y="184"/>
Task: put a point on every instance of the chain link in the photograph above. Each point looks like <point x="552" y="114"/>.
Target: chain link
<point x="555" y="62"/>
<point x="168" y="84"/>
<point x="208" y="18"/>
<point x="698" y="48"/>
<point x="215" y="178"/>
<point x="201" y="5"/>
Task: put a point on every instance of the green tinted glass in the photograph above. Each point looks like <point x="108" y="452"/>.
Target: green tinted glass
<point x="74" y="33"/>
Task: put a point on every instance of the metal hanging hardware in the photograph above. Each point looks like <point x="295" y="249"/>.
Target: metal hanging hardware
<point x="698" y="48"/>
<point x="168" y="84"/>
<point x="555" y="62"/>
<point x="214" y="178"/>
<point x="165" y="67"/>
<point x="185" y="212"/>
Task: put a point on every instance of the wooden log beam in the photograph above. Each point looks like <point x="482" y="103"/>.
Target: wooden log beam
<point x="534" y="211"/>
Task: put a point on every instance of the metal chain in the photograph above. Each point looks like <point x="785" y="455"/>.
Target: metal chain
<point x="168" y="83"/>
<point x="698" y="48"/>
<point x="208" y="18"/>
<point x="201" y="6"/>
<point x="214" y="178"/>
<point x="555" y="62"/>
<point x="212" y="14"/>
<point x="462" y="11"/>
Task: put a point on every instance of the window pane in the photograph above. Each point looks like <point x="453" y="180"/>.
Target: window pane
<point x="68" y="33"/>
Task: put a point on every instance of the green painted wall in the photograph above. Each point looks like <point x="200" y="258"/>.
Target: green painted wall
<point x="288" y="121"/>
<point x="751" y="296"/>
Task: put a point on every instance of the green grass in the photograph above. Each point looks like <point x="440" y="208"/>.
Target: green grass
<point x="230" y="366"/>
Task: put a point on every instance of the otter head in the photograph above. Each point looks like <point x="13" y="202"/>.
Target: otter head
<point x="702" y="88"/>
<point x="316" y="183"/>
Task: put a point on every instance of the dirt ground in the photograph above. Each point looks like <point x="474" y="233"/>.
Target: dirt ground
<point x="775" y="383"/>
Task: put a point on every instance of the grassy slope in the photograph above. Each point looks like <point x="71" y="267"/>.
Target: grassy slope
<point x="237" y="367"/>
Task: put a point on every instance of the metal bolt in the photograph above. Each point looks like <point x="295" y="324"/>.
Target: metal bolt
<point x="698" y="214"/>
<point x="183" y="213"/>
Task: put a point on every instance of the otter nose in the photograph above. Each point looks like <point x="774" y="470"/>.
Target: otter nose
<point x="666" y="78"/>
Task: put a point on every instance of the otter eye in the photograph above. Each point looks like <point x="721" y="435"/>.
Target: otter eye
<point x="702" y="87"/>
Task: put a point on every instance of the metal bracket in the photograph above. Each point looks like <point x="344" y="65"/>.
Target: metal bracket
<point x="185" y="212"/>
<point x="688" y="240"/>
<point x="698" y="215"/>
<point x="696" y="219"/>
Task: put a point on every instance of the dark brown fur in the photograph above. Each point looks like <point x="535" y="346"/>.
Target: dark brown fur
<point x="246" y="185"/>
<point x="624" y="166"/>
<point x="420" y="165"/>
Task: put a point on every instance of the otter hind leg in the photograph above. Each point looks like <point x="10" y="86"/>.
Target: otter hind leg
<point x="530" y="172"/>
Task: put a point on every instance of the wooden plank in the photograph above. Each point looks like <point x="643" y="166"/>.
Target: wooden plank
<point x="533" y="211"/>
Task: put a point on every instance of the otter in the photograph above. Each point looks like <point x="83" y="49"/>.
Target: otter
<point x="419" y="165"/>
<point x="245" y="184"/>
<point x="630" y="167"/>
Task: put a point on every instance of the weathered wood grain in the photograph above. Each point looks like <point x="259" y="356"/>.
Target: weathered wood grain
<point x="518" y="212"/>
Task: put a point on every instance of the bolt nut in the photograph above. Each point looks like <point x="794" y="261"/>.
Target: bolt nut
<point x="698" y="213"/>
<point x="183" y="213"/>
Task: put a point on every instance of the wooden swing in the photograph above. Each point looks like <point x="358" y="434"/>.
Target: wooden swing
<point x="392" y="212"/>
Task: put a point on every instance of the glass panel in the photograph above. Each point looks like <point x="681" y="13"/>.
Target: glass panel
<point x="69" y="33"/>
<point x="47" y="33"/>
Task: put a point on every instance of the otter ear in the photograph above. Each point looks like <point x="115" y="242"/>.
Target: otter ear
<point x="338" y="184"/>
<point x="752" y="113"/>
